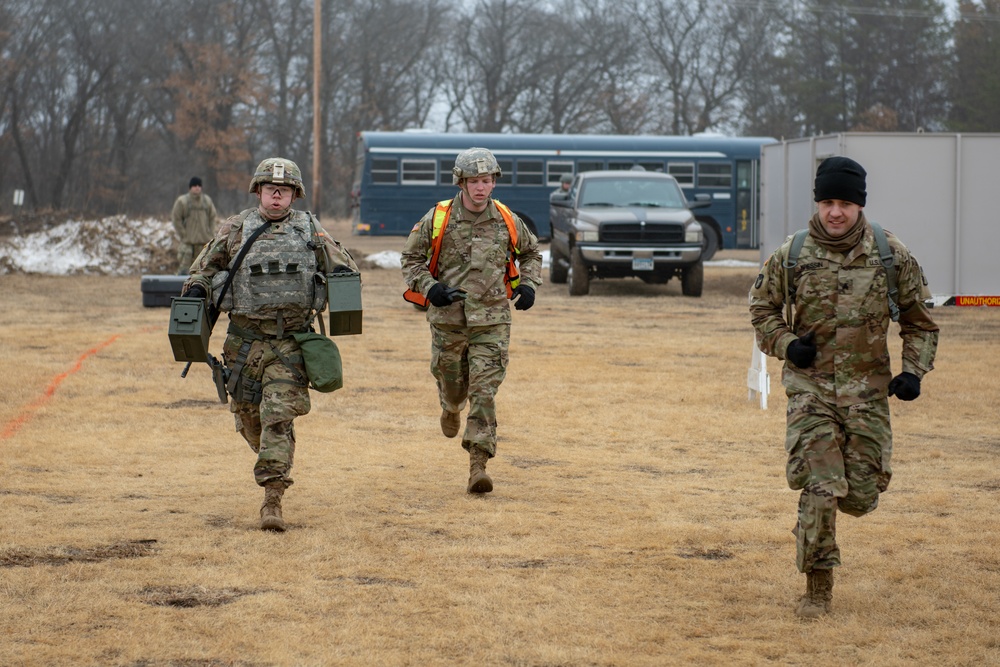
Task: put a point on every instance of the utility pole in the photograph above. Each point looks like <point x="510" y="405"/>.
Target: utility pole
<point x="317" y="125"/>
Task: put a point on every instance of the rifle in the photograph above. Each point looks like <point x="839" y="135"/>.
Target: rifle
<point x="220" y="374"/>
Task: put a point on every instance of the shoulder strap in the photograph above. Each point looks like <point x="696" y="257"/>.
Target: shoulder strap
<point x="789" y="265"/>
<point x="237" y="261"/>
<point x="889" y="264"/>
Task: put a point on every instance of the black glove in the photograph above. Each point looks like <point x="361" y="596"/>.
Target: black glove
<point x="905" y="386"/>
<point x="802" y="351"/>
<point x="195" y="292"/>
<point x="441" y="295"/>
<point x="340" y="268"/>
<point x="525" y="297"/>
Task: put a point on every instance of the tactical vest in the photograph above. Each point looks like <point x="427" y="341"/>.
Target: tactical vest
<point x="278" y="273"/>
<point x="442" y="213"/>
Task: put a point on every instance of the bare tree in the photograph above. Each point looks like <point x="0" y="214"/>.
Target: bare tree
<point x="381" y="62"/>
<point x="498" y="54"/>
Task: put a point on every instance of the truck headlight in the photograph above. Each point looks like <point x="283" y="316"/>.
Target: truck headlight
<point x="586" y="236"/>
<point x="692" y="236"/>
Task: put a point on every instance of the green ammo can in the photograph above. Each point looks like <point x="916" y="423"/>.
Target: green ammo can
<point x="189" y="329"/>
<point x="344" y="295"/>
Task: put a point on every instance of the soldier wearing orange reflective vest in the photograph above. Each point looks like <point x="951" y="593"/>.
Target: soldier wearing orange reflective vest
<point x="466" y="260"/>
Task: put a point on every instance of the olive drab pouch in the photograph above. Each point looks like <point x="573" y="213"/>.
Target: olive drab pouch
<point x="322" y="361"/>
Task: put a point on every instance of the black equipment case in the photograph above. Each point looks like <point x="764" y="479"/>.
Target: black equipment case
<point x="158" y="290"/>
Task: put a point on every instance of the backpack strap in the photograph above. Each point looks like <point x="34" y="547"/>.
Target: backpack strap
<point x="889" y="264"/>
<point x="885" y="255"/>
<point x="791" y="260"/>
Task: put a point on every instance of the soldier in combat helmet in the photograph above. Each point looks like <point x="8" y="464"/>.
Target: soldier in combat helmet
<point x="194" y="219"/>
<point x="465" y="260"/>
<point x="278" y="289"/>
<point x="838" y="297"/>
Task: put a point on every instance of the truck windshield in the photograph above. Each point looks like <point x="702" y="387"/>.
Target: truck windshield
<point x="631" y="192"/>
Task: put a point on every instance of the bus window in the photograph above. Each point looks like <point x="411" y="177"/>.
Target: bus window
<point x="556" y="171"/>
<point x="715" y="175"/>
<point x="529" y="172"/>
<point x="586" y="165"/>
<point x="619" y="166"/>
<point x="683" y="172"/>
<point x="651" y="166"/>
<point x="384" y="170"/>
<point x="742" y="175"/>
<point x="506" y="172"/>
<point x="419" y="172"/>
<point x="446" y="174"/>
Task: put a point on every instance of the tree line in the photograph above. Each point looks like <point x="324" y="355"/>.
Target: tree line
<point x="110" y="106"/>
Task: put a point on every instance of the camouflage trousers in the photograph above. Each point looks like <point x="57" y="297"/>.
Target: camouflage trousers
<point x="267" y="427"/>
<point x="839" y="458"/>
<point x="186" y="253"/>
<point x="470" y="363"/>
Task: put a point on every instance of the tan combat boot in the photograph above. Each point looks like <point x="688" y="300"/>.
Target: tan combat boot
<point x="450" y="423"/>
<point x="819" y="594"/>
<point x="270" y="511"/>
<point x="479" y="481"/>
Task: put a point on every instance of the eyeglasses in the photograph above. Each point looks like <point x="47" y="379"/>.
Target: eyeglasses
<point x="269" y="190"/>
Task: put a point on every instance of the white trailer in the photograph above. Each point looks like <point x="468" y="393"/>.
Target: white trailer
<point x="938" y="192"/>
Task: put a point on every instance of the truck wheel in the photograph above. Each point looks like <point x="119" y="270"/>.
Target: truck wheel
<point x="692" y="279"/>
<point x="710" y="245"/>
<point x="579" y="277"/>
<point x="557" y="267"/>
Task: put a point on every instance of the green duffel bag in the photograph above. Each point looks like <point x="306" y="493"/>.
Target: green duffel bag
<point x="322" y="361"/>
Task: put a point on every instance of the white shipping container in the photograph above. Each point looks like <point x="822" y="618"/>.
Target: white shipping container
<point x="937" y="192"/>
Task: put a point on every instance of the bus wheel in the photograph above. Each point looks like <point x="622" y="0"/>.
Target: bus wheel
<point x="710" y="245"/>
<point x="558" y="267"/>
<point x="692" y="279"/>
<point x="579" y="274"/>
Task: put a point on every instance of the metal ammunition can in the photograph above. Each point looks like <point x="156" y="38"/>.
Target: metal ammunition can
<point x="344" y="296"/>
<point x="189" y="330"/>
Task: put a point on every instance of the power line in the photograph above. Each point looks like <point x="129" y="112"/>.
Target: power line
<point x="859" y="10"/>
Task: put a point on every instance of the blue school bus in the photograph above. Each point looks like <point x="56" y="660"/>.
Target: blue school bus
<point x="399" y="176"/>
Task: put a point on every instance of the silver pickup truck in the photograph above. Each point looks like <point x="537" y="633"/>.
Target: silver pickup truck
<point x="617" y="224"/>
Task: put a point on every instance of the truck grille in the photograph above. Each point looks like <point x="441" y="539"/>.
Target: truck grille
<point x="634" y="232"/>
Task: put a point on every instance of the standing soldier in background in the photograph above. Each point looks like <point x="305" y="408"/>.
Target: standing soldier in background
<point x="465" y="259"/>
<point x="277" y="290"/>
<point x="565" y="181"/>
<point x="839" y="290"/>
<point x="194" y="220"/>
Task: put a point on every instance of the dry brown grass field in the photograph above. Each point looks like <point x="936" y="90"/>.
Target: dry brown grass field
<point x="640" y="515"/>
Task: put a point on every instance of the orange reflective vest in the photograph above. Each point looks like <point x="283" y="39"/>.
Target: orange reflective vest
<point x="442" y="213"/>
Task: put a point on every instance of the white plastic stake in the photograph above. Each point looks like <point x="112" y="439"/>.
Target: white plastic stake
<point x="758" y="381"/>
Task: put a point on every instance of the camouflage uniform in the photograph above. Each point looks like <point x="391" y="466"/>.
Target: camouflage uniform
<point x="839" y="440"/>
<point x="470" y="338"/>
<point x="272" y="359"/>
<point x="194" y="219"/>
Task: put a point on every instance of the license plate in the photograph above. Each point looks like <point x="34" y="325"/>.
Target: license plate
<point x="642" y="263"/>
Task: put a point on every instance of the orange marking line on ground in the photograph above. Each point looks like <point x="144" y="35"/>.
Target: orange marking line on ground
<point x="15" y="424"/>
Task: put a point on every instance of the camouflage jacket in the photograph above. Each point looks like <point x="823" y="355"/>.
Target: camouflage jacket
<point x="473" y="257"/>
<point x="194" y="218"/>
<point x="219" y="253"/>
<point x="843" y="299"/>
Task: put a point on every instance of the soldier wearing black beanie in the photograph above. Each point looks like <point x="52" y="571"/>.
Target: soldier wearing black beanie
<point x="840" y="178"/>
<point x="823" y="302"/>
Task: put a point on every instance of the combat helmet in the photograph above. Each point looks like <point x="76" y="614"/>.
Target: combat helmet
<point x="278" y="171"/>
<point x="474" y="162"/>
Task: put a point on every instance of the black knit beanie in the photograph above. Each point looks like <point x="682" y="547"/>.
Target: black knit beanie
<point x="194" y="181"/>
<point x="840" y="178"/>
